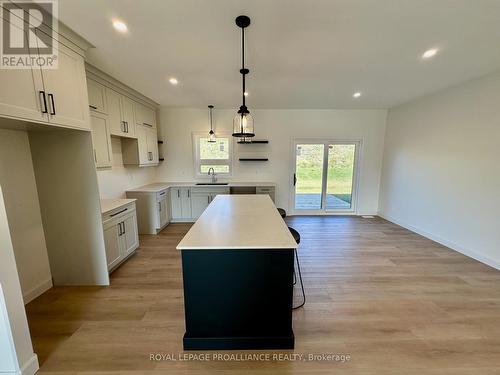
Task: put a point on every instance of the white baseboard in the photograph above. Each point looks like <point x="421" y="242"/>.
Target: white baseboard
<point x="467" y="252"/>
<point x="30" y="295"/>
<point x="31" y="366"/>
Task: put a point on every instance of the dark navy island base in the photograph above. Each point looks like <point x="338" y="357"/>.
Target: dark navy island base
<point x="238" y="299"/>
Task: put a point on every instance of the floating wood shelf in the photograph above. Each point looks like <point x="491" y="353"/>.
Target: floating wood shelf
<point x="254" y="159"/>
<point x="257" y="141"/>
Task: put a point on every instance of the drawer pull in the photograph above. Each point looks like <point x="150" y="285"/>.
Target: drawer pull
<point x="119" y="212"/>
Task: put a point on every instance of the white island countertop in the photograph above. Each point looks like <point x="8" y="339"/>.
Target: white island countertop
<point x="239" y="222"/>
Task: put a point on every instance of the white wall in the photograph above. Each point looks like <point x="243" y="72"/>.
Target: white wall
<point x="15" y="340"/>
<point x="113" y="182"/>
<point x="69" y="203"/>
<point x="441" y="168"/>
<point x="23" y="210"/>
<point x="279" y="127"/>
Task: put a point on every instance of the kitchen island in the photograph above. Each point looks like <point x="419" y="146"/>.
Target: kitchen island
<point x="237" y="264"/>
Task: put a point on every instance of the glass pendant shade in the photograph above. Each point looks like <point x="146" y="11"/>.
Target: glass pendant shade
<point x="211" y="137"/>
<point x="243" y="125"/>
<point x="211" y="134"/>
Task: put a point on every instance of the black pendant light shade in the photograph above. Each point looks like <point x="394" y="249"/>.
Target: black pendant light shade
<point x="243" y="121"/>
<point x="211" y="134"/>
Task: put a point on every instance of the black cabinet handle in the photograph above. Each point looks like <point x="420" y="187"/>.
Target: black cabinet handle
<point x="119" y="212"/>
<point x="178" y="193"/>
<point x="124" y="229"/>
<point x="294" y="179"/>
<point x="159" y="206"/>
<point x="43" y="101"/>
<point x="208" y="199"/>
<point x="51" y="97"/>
<point x="122" y="126"/>
<point x="92" y="106"/>
<point x="119" y="229"/>
<point x="126" y="127"/>
<point x="189" y="193"/>
<point x="146" y="124"/>
<point x="162" y="193"/>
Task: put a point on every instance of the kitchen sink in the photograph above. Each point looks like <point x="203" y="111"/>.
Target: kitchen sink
<point x="212" y="183"/>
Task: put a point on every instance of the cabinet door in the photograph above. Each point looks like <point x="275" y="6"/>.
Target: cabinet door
<point x="145" y="115"/>
<point x="186" y="203"/>
<point x="112" y="242"/>
<point x="142" y="145"/>
<point x="21" y="93"/>
<point x="116" y="126"/>
<point x="127" y="111"/>
<point x="175" y="203"/>
<point x="130" y="235"/>
<point x="97" y="96"/>
<point x="163" y="212"/>
<point x="199" y="202"/>
<point x="152" y="145"/>
<point x="66" y="89"/>
<point x="101" y="140"/>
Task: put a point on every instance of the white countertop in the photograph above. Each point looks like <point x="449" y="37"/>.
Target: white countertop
<point x="159" y="186"/>
<point x="108" y="205"/>
<point x="239" y="222"/>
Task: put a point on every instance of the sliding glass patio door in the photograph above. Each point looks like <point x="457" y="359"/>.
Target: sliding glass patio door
<point x="325" y="176"/>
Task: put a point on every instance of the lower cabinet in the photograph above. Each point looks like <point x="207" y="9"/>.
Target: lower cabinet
<point x="202" y="197"/>
<point x="180" y="204"/>
<point x="120" y="235"/>
<point x="152" y="210"/>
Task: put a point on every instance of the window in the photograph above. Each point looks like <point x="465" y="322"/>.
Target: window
<point x="217" y="155"/>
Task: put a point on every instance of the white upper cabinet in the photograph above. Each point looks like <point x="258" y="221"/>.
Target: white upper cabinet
<point x="128" y="118"/>
<point x="142" y="151"/>
<point x="101" y="140"/>
<point x="50" y="96"/>
<point x="145" y="116"/>
<point x="22" y="94"/>
<point x="121" y="114"/>
<point x="66" y="89"/>
<point x="97" y="96"/>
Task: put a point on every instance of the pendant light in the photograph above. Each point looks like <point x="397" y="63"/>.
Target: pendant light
<point x="243" y="121"/>
<point x="211" y="134"/>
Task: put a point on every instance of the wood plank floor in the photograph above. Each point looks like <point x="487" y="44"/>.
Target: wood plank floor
<point x="396" y="302"/>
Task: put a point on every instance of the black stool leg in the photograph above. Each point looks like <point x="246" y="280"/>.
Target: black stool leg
<point x="301" y="283"/>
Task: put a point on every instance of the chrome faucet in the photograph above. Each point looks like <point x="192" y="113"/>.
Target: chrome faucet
<point x="214" y="178"/>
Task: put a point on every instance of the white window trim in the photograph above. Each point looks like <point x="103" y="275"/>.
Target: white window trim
<point x="198" y="162"/>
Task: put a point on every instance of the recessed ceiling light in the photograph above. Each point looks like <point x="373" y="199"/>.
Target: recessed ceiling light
<point x="430" y="53"/>
<point x="245" y="93"/>
<point x="356" y="95"/>
<point x="120" y="26"/>
<point x="173" y="81"/>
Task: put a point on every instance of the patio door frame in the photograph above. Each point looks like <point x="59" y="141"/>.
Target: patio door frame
<point x="356" y="172"/>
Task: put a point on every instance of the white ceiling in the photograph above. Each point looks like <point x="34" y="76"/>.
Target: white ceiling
<point x="301" y="53"/>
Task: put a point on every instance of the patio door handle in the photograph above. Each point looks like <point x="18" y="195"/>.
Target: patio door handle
<point x="294" y="179"/>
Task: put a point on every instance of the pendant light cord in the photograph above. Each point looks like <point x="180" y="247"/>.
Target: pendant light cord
<point x="243" y="62"/>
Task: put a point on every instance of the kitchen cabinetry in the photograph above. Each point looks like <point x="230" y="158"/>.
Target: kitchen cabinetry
<point x="202" y="197"/>
<point x="121" y="114"/>
<point x="52" y="96"/>
<point x="142" y="151"/>
<point x="180" y="204"/>
<point x="97" y="96"/>
<point x="120" y="234"/>
<point x="144" y="115"/>
<point x="269" y="190"/>
<point x="152" y="210"/>
<point x="101" y="140"/>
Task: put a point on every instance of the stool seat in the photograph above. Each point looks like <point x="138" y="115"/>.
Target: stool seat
<point x="295" y="234"/>
<point x="282" y="212"/>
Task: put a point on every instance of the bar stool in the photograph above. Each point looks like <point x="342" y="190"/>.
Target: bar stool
<point x="296" y="236"/>
<point x="282" y="212"/>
